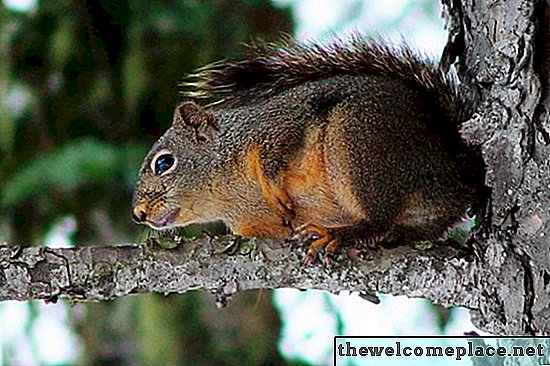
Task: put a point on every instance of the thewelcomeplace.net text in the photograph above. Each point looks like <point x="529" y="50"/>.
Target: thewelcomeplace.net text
<point x="347" y="349"/>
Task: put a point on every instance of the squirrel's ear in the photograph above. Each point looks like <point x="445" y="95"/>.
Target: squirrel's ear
<point x="188" y="114"/>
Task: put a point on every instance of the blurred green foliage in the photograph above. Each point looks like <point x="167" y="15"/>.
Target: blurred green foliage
<point x="78" y="164"/>
<point x="88" y="86"/>
<point x="85" y="88"/>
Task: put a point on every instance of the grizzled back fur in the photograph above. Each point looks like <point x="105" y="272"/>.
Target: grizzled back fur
<point x="272" y="68"/>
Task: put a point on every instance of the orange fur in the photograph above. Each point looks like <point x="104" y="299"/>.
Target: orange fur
<point x="261" y="227"/>
<point x="304" y="195"/>
<point x="276" y="197"/>
<point x="307" y="182"/>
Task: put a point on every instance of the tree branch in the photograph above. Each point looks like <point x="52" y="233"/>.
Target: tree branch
<point x="100" y="273"/>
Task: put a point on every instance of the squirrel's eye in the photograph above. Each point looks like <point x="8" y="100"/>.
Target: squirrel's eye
<point x="163" y="163"/>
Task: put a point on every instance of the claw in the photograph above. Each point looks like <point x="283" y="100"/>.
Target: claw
<point x="287" y="223"/>
<point x="320" y="238"/>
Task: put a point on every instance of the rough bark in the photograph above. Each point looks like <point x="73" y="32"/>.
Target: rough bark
<point x="503" y="49"/>
<point x="225" y="265"/>
<point x="99" y="273"/>
<point x="503" y="60"/>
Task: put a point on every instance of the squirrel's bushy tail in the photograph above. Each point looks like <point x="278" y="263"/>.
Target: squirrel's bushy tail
<point x="271" y="68"/>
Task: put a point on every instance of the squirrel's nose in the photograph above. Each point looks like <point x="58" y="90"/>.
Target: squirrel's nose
<point x="139" y="215"/>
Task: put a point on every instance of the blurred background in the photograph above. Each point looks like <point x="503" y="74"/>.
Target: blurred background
<point x="86" y="87"/>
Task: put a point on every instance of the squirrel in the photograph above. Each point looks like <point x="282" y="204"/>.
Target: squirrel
<point x="321" y="144"/>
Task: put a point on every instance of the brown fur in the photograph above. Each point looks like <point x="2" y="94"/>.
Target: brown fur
<point x="339" y="142"/>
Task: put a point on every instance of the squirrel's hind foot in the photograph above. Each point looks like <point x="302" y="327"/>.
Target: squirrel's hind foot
<point x="318" y="237"/>
<point x="331" y="239"/>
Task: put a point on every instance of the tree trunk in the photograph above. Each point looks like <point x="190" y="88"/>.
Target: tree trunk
<point x="503" y="49"/>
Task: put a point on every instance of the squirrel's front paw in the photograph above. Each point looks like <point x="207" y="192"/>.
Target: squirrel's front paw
<point x="320" y="238"/>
